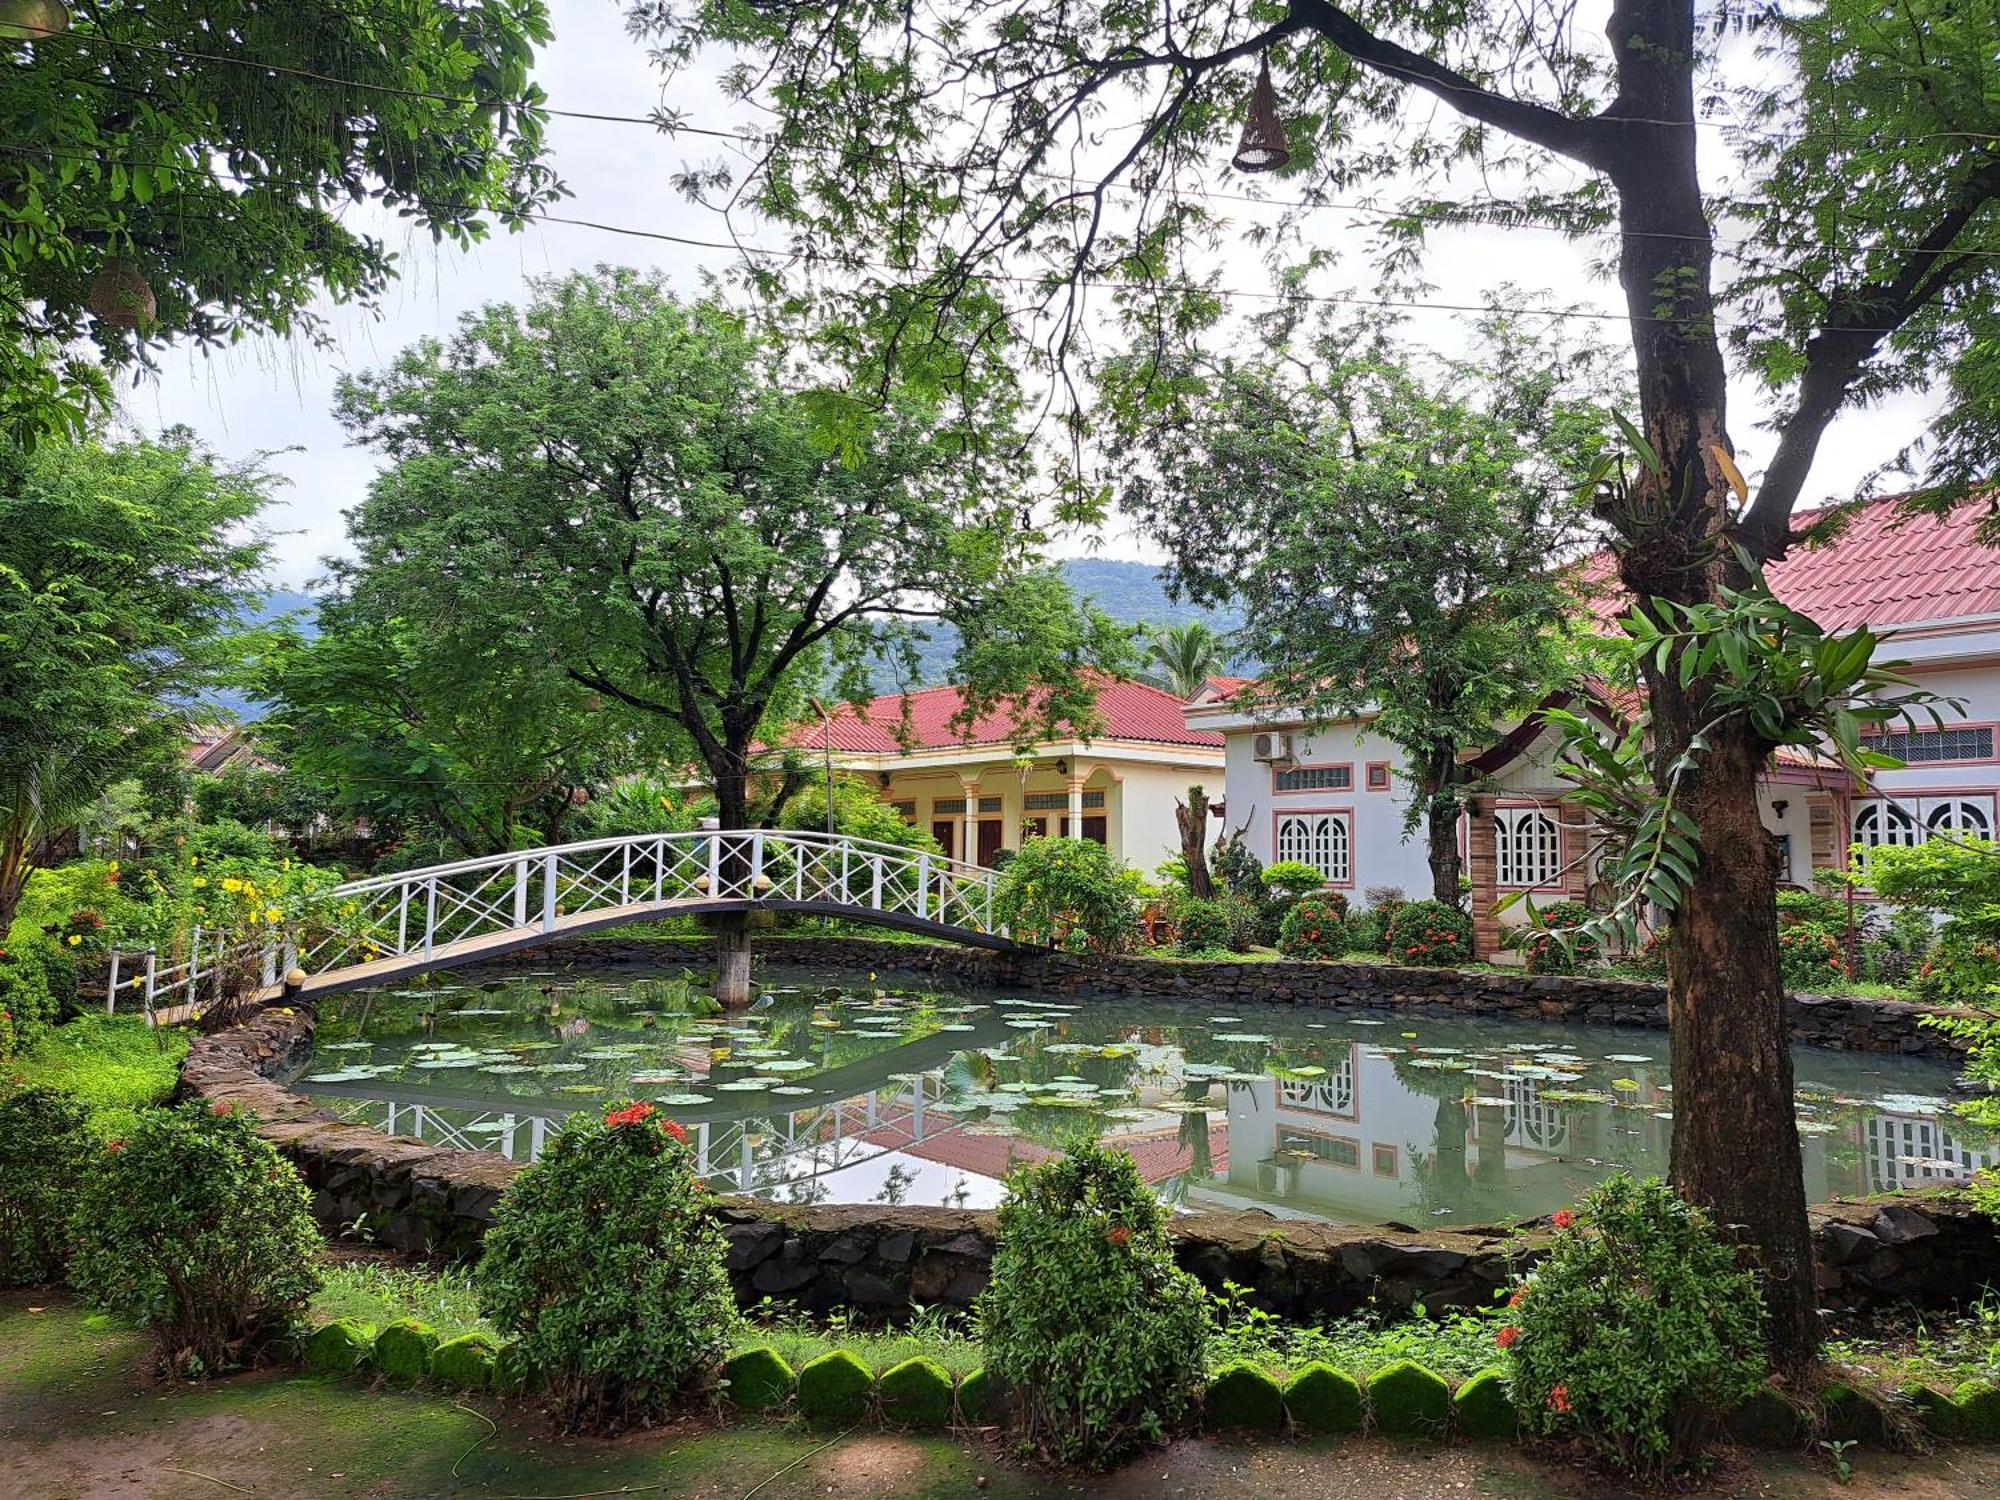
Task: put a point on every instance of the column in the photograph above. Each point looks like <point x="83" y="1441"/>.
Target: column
<point x="1076" y="804"/>
<point x="1482" y="865"/>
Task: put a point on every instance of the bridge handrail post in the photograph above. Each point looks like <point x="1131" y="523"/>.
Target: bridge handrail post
<point x="268" y="963"/>
<point x="194" y="964"/>
<point x="714" y="837"/>
<point x="625" y="878"/>
<point x="152" y="980"/>
<point x="403" y="917"/>
<point x="923" y="883"/>
<point x="756" y="865"/>
<point x="111" y="989"/>
<point x="549" y="863"/>
<point x="660" y="870"/>
<point x="992" y="884"/>
<point x="521" y="892"/>
<point x="844" y="898"/>
<point x="430" y="915"/>
<point x="875" y="900"/>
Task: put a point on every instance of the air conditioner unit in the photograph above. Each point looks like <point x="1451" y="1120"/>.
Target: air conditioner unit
<point x="1271" y="747"/>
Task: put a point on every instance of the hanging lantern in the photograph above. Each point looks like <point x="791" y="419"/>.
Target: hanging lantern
<point x="28" y="20"/>
<point x="1262" y="148"/>
<point x="120" y="295"/>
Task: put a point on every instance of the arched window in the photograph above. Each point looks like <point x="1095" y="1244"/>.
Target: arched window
<point x="1959" y="818"/>
<point x="1882" y="822"/>
<point x="1319" y="839"/>
<point x="1527" y="847"/>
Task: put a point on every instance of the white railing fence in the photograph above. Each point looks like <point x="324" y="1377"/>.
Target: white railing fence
<point x="449" y="908"/>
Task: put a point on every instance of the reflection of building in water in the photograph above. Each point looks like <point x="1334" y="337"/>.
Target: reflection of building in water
<point x="1916" y="1151"/>
<point x="1531" y="1122"/>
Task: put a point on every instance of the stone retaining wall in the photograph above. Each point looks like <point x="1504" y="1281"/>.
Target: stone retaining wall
<point x="1926" y="1248"/>
<point x="1587" y="999"/>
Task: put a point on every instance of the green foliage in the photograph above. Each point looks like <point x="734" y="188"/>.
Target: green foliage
<point x="1935" y="1411"/>
<point x="403" y="1350"/>
<point x="917" y="1393"/>
<point x="513" y="1373"/>
<point x="1102" y="1338"/>
<point x="1200" y="926"/>
<point x="1236" y="869"/>
<point x="1545" y="954"/>
<point x="1638" y="1331"/>
<point x="37" y="986"/>
<point x="1767" y="1420"/>
<point x="195" y="1227"/>
<point x="1291" y="879"/>
<point x="439" y="126"/>
<point x="1187" y="655"/>
<point x="1979" y="1410"/>
<point x="605" y="1264"/>
<point x="1315" y="927"/>
<point x="1810" y="956"/>
<point x="1849" y="1414"/>
<point x="46" y="1153"/>
<point x="1822" y="908"/>
<point x="1407" y="1400"/>
<point x="1240" y="1396"/>
<point x="1482" y="1408"/>
<point x="339" y="1347"/>
<point x="1070" y="894"/>
<point x="834" y="1389"/>
<point x="375" y="1292"/>
<point x="858" y="812"/>
<point x="976" y="1396"/>
<point x="114" y="1066"/>
<point x="1452" y="1342"/>
<point x="121" y="570"/>
<point x="1324" y="1401"/>
<point x="1430" y="932"/>
<point x="464" y="1363"/>
<point x="758" y="1379"/>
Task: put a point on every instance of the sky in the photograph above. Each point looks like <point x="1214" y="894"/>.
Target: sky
<point x="276" y="396"/>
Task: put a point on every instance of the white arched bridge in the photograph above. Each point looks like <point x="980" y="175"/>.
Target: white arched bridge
<point x="390" y="927"/>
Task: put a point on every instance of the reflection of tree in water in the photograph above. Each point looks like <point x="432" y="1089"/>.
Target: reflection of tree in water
<point x="1445" y="1176"/>
<point x="896" y="1186"/>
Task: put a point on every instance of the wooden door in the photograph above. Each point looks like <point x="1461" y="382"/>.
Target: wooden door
<point x="989" y="841"/>
<point x="945" y="830"/>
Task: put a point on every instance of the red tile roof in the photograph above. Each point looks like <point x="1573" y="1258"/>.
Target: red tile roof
<point x="1130" y="710"/>
<point x="1884" y="569"/>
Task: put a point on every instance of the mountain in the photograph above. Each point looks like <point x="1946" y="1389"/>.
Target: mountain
<point x="1133" y="593"/>
<point x="227" y="702"/>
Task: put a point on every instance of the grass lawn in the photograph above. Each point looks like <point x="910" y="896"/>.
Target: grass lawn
<point x="78" y="1423"/>
<point x="117" y="1065"/>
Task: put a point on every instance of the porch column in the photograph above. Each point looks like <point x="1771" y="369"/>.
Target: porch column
<point x="968" y="829"/>
<point x="1076" y="804"/>
<point x="1482" y="865"/>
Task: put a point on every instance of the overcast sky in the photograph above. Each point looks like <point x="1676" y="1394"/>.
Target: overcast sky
<point x="277" y="394"/>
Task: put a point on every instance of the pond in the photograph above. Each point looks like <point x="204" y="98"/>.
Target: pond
<point x="887" y="1092"/>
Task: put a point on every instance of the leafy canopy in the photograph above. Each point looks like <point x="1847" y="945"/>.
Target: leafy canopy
<point x="222" y="148"/>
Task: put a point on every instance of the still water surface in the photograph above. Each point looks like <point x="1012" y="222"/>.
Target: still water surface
<point x="832" y="1091"/>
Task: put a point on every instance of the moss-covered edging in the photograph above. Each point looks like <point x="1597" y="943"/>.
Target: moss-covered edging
<point x="1835" y="1021"/>
<point x="1928" y="1248"/>
<point x="1403" y="1399"/>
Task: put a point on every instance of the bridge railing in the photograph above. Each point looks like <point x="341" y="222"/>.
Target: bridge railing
<point x="426" y="910"/>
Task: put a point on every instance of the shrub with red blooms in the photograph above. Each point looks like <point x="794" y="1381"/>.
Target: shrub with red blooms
<point x="605" y="1265"/>
<point x="1315" y="927"/>
<point x="1637" y="1332"/>
<point x="1430" y="932"/>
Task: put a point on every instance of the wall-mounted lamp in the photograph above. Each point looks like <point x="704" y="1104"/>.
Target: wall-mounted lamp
<point x="1472" y="807"/>
<point x="1062" y="768"/>
<point x="1778" y="808"/>
<point x="883" y="778"/>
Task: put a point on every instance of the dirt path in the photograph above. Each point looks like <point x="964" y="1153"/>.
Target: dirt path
<point x="76" y="1424"/>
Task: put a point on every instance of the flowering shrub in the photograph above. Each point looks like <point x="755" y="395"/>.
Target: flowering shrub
<point x="1315" y="927"/>
<point x="1430" y="932"/>
<point x="197" y="1228"/>
<point x="1069" y="894"/>
<point x="1545" y="953"/>
<point x="1201" y="926"/>
<point x="1289" y="879"/>
<point x="37" y="985"/>
<point x="606" y="1266"/>
<point x="46" y="1152"/>
<point x="1100" y="1336"/>
<point x="1637" y="1331"/>
<point x="1810" y="955"/>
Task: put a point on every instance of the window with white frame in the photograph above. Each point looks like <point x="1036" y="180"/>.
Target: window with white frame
<point x="1906" y="821"/>
<point x="1313" y="779"/>
<point x="1962" y="817"/>
<point x="1319" y="839"/>
<point x="1527" y="846"/>
<point x="1921" y="747"/>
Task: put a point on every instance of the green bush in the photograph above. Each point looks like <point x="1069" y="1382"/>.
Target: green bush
<point x="1430" y="932"/>
<point x="339" y="1347"/>
<point x="197" y="1228"/>
<point x="1979" y="1410"/>
<point x="1482" y="1408"/>
<point x="1818" y="908"/>
<point x="1810" y="956"/>
<point x="605" y="1264"/>
<point x="1766" y="1420"/>
<point x="403" y="1350"/>
<point x="1935" y="1411"/>
<point x="1200" y="926"/>
<point x="916" y="1393"/>
<point x="1408" y="1400"/>
<point x="513" y="1374"/>
<point x="37" y="985"/>
<point x="759" y="1379"/>
<point x="464" y="1363"/>
<point x="975" y="1397"/>
<point x="834" y="1389"/>
<point x="1069" y="894"/>
<point x="1100" y="1336"/>
<point x="1250" y="921"/>
<point x="1315" y="927"/>
<point x="1649" y="960"/>
<point x="1547" y="954"/>
<point x="115" y="1066"/>
<point x="1638" y="1331"/>
<point x="1290" y="879"/>
<point x="46" y="1153"/>
<point x="1243" y="1398"/>
<point x="1324" y="1401"/>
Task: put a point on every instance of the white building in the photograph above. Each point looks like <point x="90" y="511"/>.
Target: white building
<point x="1333" y="795"/>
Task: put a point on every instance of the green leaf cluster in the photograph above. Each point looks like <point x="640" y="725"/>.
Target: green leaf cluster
<point x="1068" y="893"/>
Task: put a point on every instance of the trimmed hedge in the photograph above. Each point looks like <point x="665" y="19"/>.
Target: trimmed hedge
<point x="1483" y="1408"/>
<point x="1408" y="1400"/>
<point x="976" y="1397"/>
<point x="1243" y="1397"/>
<point x="403" y="1350"/>
<point x="759" y="1379"/>
<point x="1324" y="1401"/>
<point x="464" y="1363"/>
<point x="834" y="1389"/>
<point x="916" y="1393"/>
<point x="338" y="1348"/>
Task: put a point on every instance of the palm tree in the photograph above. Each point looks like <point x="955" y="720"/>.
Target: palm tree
<point x="1187" y="656"/>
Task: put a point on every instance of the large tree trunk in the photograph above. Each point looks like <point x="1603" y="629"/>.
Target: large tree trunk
<point x="1441" y="835"/>
<point x="1192" y="818"/>
<point x="732" y="929"/>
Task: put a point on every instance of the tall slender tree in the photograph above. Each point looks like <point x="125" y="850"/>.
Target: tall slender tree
<point x="701" y="513"/>
<point x="1081" y="139"/>
<point x="1187" y="655"/>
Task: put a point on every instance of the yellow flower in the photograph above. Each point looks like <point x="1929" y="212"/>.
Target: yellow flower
<point x="111" y="866"/>
<point x="200" y="881"/>
<point x="232" y="884"/>
<point x="75" y="939"/>
<point x="193" y="860"/>
<point x="284" y="864"/>
<point x="271" y="914"/>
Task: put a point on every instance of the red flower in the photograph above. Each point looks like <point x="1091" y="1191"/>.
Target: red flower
<point x="674" y="1128"/>
<point x="1507" y="1337"/>
<point x="114" y="1147"/>
<point x="632" y="1114"/>
<point x="1118" y="1235"/>
<point x="219" y="1108"/>
<point x="1559" y="1398"/>
<point x="698" y="1186"/>
<point x="1520" y="1296"/>
<point x="1562" y="1218"/>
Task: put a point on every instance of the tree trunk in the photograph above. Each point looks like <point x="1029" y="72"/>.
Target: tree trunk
<point x="1441" y="833"/>
<point x="16" y="859"/>
<point x="732" y="959"/>
<point x="732" y="929"/>
<point x="1192" y="818"/>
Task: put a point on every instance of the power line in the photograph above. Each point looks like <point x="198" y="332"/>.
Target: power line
<point x="1382" y="304"/>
